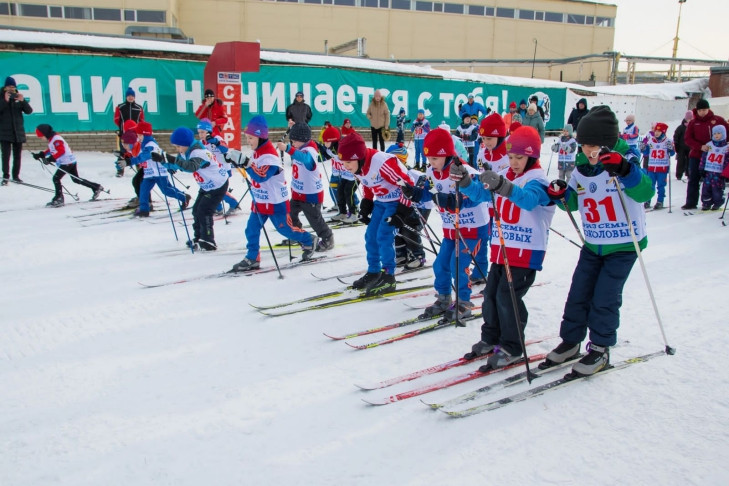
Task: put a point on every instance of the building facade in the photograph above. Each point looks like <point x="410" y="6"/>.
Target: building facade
<point x="513" y="31"/>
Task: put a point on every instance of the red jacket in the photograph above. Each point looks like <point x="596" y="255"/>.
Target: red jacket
<point x="698" y="132"/>
<point x="215" y="113"/>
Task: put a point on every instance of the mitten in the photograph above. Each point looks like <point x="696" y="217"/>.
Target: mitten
<point x="413" y="193"/>
<point x="557" y="189"/>
<point x="402" y="214"/>
<point x="614" y="163"/>
<point x="496" y="183"/>
<point x="460" y="175"/>
<point x="157" y="157"/>
<point x="38" y="155"/>
<point x="212" y="140"/>
<point x="171" y="159"/>
<point x="365" y="210"/>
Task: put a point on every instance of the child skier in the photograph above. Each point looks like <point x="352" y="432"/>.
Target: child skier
<point x="217" y="146"/>
<point x="307" y="186"/>
<point x="595" y="296"/>
<point x="154" y="172"/>
<point x="468" y="133"/>
<point x="346" y="190"/>
<point x="713" y="164"/>
<point x="380" y="175"/>
<point x="420" y="128"/>
<point x="659" y="150"/>
<point x="566" y="150"/>
<point x="493" y="135"/>
<point x="270" y="193"/>
<point x="522" y="201"/>
<point x="631" y="135"/>
<point x="400" y="122"/>
<point x="59" y="152"/>
<point x="460" y="233"/>
<point x="210" y="175"/>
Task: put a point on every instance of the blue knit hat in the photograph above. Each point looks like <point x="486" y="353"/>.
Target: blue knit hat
<point x="522" y="102"/>
<point x="421" y="111"/>
<point x="719" y="129"/>
<point x="10" y="81"/>
<point x="130" y="92"/>
<point x="257" y="127"/>
<point x="182" y="136"/>
<point x="206" y="125"/>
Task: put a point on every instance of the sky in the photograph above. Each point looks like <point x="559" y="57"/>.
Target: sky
<point x="647" y="27"/>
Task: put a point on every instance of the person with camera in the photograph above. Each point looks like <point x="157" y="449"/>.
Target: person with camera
<point x="212" y="108"/>
<point x="12" y="130"/>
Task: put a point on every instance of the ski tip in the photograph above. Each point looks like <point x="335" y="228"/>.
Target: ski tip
<point x="432" y="406"/>
<point x="336" y="338"/>
<point x="355" y="346"/>
<point x="375" y="402"/>
<point x="365" y="387"/>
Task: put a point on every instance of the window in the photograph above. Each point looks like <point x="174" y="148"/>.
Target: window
<point x="589" y="20"/>
<point x="505" y="12"/>
<point x="27" y="10"/>
<point x="424" y="6"/>
<point x="604" y="22"/>
<point x="56" y="12"/>
<point x="539" y="16"/>
<point x="401" y="4"/>
<point x="7" y="8"/>
<point x="437" y="7"/>
<point x="77" y="13"/>
<point x="366" y="3"/>
<point x="157" y="16"/>
<point x="327" y="2"/>
<point x="553" y="17"/>
<point x="456" y="8"/>
<point x="526" y="14"/>
<point x="130" y="15"/>
<point x="475" y="10"/>
<point x="490" y="11"/>
<point x="384" y="3"/>
<point x="107" y="14"/>
<point x="575" y="19"/>
<point x="313" y="1"/>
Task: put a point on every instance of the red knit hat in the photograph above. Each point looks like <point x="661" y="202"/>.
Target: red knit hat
<point x="129" y="137"/>
<point x="514" y="126"/>
<point x="438" y="143"/>
<point x="129" y="125"/>
<point x="352" y="147"/>
<point x="492" y="126"/>
<point x="662" y="127"/>
<point x="144" y="128"/>
<point x="512" y="104"/>
<point x="524" y="141"/>
<point x="331" y="134"/>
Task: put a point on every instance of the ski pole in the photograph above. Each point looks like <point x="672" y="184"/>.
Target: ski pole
<point x="80" y="179"/>
<point x="40" y="188"/>
<point x="182" y="183"/>
<point x="563" y="236"/>
<point x="550" y="161"/>
<point x="512" y="292"/>
<point x="669" y="349"/>
<point x="572" y="218"/>
<point x="457" y="227"/>
<point x="169" y="211"/>
<point x="669" y="184"/>
<point x="74" y="196"/>
<point x="723" y="212"/>
<point x="182" y="212"/>
<point x="262" y="223"/>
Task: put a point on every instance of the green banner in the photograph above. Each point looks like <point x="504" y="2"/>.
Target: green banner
<point x="78" y="92"/>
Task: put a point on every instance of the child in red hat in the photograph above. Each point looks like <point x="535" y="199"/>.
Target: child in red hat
<point x="525" y="211"/>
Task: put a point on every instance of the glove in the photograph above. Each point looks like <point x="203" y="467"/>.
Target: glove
<point x="171" y="159"/>
<point x="497" y="183"/>
<point x="212" y="140"/>
<point x="157" y="157"/>
<point x="402" y="213"/>
<point x="446" y="201"/>
<point x="38" y="155"/>
<point x="413" y="193"/>
<point x="614" y="163"/>
<point x="556" y="189"/>
<point x="246" y="162"/>
<point x="460" y="175"/>
<point x="365" y="210"/>
<point x="49" y="160"/>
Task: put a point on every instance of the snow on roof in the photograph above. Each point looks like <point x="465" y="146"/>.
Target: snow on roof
<point x="667" y="91"/>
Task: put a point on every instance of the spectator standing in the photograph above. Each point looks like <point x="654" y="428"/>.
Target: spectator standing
<point x="472" y="108"/>
<point x="522" y="108"/>
<point x="378" y="113"/>
<point x="532" y="119"/>
<point x="508" y="117"/>
<point x="346" y="127"/>
<point x="299" y="111"/>
<point x="577" y="113"/>
<point x="12" y="129"/>
<point x="697" y="137"/>
<point x="682" y="150"/>
<point x="535" y="99"/>
<point x="129" y="110"/>
<point x="212" y="108"/>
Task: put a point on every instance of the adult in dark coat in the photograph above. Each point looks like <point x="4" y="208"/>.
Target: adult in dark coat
<point x="299" y="111"/>
<point x="577" y="113"/>
<point x="13" y="106"/>
<point x="698" y="134"/>
<point x="682" y="150"/>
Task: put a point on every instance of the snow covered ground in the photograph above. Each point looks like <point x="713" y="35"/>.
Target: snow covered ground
<point x="106" y="382"/>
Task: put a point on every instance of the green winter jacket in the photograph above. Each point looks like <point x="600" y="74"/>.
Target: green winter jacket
<point x="641" y="192"/>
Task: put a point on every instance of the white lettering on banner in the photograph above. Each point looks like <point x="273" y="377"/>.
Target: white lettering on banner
<point x="422" y="98"/>
<point x="460" y="99"/>
<point x="146" y="92"/>
<point x="447" y="99"/>
<point x="384" y="92"/>
<point x="32" y="90"/>
<point x="76" y="105"/>
<point x="184" y="97"/>
<point x="272" y="97"/>
<point x="492" y="102"/>
<point x="324" y="101"/>
<point x="229" y="92"/>
<point x="345" y="98"/>
<point x="504" y="100"/>
<point x="102" y="96"/>
<point x="399" y="100"/>
<point x="366" y="92"/>
<point x="228" y="107"/>
<point x="250" y="98"/>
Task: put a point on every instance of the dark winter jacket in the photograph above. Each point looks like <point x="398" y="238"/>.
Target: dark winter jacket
<point x="12" y="128"/>
<point x="577" y="114"/>
<point x="128" y="111"/>
<point x="678" y="142"/>
<point x="299" y="111"/>
<point x="698" y="131"/>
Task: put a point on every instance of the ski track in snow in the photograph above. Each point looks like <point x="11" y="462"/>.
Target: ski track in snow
<point x="105" y="382"/>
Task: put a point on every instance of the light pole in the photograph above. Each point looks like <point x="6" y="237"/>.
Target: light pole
<point x="672" y="72"/>
<point x="534" y="59"/>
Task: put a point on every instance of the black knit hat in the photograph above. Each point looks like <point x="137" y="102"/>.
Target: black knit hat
<point x="702" y="104"/>
<point x="598" y="127"/>
<point x="300" y="132"/>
